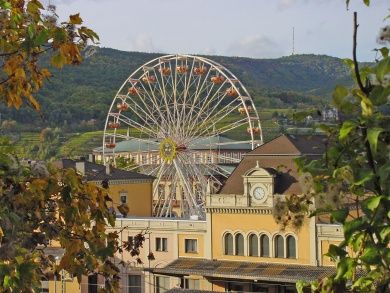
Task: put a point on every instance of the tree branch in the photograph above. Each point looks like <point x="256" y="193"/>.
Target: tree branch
<point x="356" y="65"/>
<point x="366" y="91"/>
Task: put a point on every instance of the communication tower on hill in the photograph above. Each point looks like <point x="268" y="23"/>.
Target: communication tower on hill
<point x="293" y="41"/>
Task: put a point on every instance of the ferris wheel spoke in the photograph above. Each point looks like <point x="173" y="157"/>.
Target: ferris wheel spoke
<point x="159" y="175"/>
<point x="165" y="102"/>
<point x="197" y="175"/>
<point x="170" y="177"/>
<point x="211" y="174"/>
<point x="218" y="169"/>
<point x="153" y="98"/>
<point x="207" y="123"/>
<point x="187" y="84"/>
<point x="193" y="119"/>
<point x="141" y="128"/>
<point x="209" y="131"/>
<point x="139" y="110"/>
<point x="187" y="190"/>
<point x="197" y="91"/>
<point x="216" y="116"/>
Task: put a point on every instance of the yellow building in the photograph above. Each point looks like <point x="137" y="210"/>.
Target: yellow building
<point x="125" y="187"/>
<point x="246" y="249"/>
<point x="239" y="247"/>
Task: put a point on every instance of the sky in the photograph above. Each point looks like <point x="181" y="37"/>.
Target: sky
<point x="245" y="28"/>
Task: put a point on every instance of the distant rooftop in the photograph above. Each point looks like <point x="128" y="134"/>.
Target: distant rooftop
<point x="203" y="143"/>
<point x="98" y="172"/>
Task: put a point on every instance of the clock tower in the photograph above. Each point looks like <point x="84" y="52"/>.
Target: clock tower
<point x="259" y="186"/>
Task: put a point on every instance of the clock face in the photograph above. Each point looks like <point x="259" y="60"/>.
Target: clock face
<point x="259" y="193"/>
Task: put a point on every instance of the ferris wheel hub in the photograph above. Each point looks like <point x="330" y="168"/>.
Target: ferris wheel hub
<point x="168" y="149"/>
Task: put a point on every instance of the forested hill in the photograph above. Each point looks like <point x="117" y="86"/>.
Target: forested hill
<point x="77" y="95"/>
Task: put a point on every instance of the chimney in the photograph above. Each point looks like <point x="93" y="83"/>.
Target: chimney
<point x="80" y="167"/>
<point x="108" y="169"/>
<point x="91" y="158"/>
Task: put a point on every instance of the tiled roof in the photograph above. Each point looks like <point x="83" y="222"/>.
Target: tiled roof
<point x="202" y="143"/>
<point x="272" y="272"/>
<point x="278" y="154"/>
<point x="97" y="172"/>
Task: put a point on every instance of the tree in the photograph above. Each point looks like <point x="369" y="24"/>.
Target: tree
<point x="351" y="182"/>
<point x="41" y="205"/>
<point x="48" y="147"/>
<point x="27" y="33"/>
<point x="126" y="163"/>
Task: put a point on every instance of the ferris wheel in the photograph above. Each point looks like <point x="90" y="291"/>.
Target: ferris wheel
<point x="177" y="108"/>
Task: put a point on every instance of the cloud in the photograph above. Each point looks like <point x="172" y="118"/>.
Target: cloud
<point x="256" y="46"/>
<point x="142" y="43"/>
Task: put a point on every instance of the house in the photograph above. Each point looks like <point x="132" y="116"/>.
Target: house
<point x="125" y="187"/>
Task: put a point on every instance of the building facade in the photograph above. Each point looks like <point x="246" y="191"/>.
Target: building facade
<point x="239" y="246"/>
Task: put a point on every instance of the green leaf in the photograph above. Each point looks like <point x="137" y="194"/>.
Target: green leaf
<point x="58" y="60"/>
<point x="364" y="175"/>
<point x="383" y="68"/>
<point x="384" y="172"/>
<point x="41" y="38"/>
<point x="384" y="51"/>
<point x="301" y="285"/>
<point x="340" y="215"/>
<point x="31" y="31"/>
<point x="349" y="63"/>
<point x="353" y="226"/>
<point x="339" y="93"/>
<point x="372" y="136"/>
<point x="379" y="95"/>
<point x="370" y="256"/>
<point x="335" y="252"/>
<point x="372" y="202"/>
<point x="366" y="105"/>
<point x="7" y="281"/>
<point x="384" y="232"/>
<point x="5" y="5"/>
<point x="347" y="127"/>
<point x="367" y="2"/>
<point x="345" y="269"/>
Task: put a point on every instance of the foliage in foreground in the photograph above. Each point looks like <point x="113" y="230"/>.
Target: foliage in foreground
<point x="42" y="206"/>
<point x="351" y="183"/>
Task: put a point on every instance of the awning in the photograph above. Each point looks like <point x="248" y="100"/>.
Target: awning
<point x="270" y="272"/>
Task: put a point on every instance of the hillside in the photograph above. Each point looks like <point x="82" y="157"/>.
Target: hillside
<point x="78" y="97"/>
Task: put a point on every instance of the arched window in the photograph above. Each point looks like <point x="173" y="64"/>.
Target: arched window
<point x="291" y="247"/>
<point x="239" y="244"/>
<point x="279" y="246"/>
<point x="264" y="245"/>
<point x="228" y="244"/>
<point x="253" y="245"/>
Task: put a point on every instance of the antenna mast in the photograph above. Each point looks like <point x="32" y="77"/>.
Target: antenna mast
<point x="293" y="41"/>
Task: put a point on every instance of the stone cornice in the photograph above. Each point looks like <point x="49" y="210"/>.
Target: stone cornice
<point x="239" y="210"/>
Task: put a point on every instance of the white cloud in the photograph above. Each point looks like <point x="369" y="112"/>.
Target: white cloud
<point x="142" y="43"/>
<point x="256" y="46"/>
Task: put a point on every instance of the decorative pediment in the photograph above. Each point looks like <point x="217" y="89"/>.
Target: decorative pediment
<point x="259" y="186"/>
